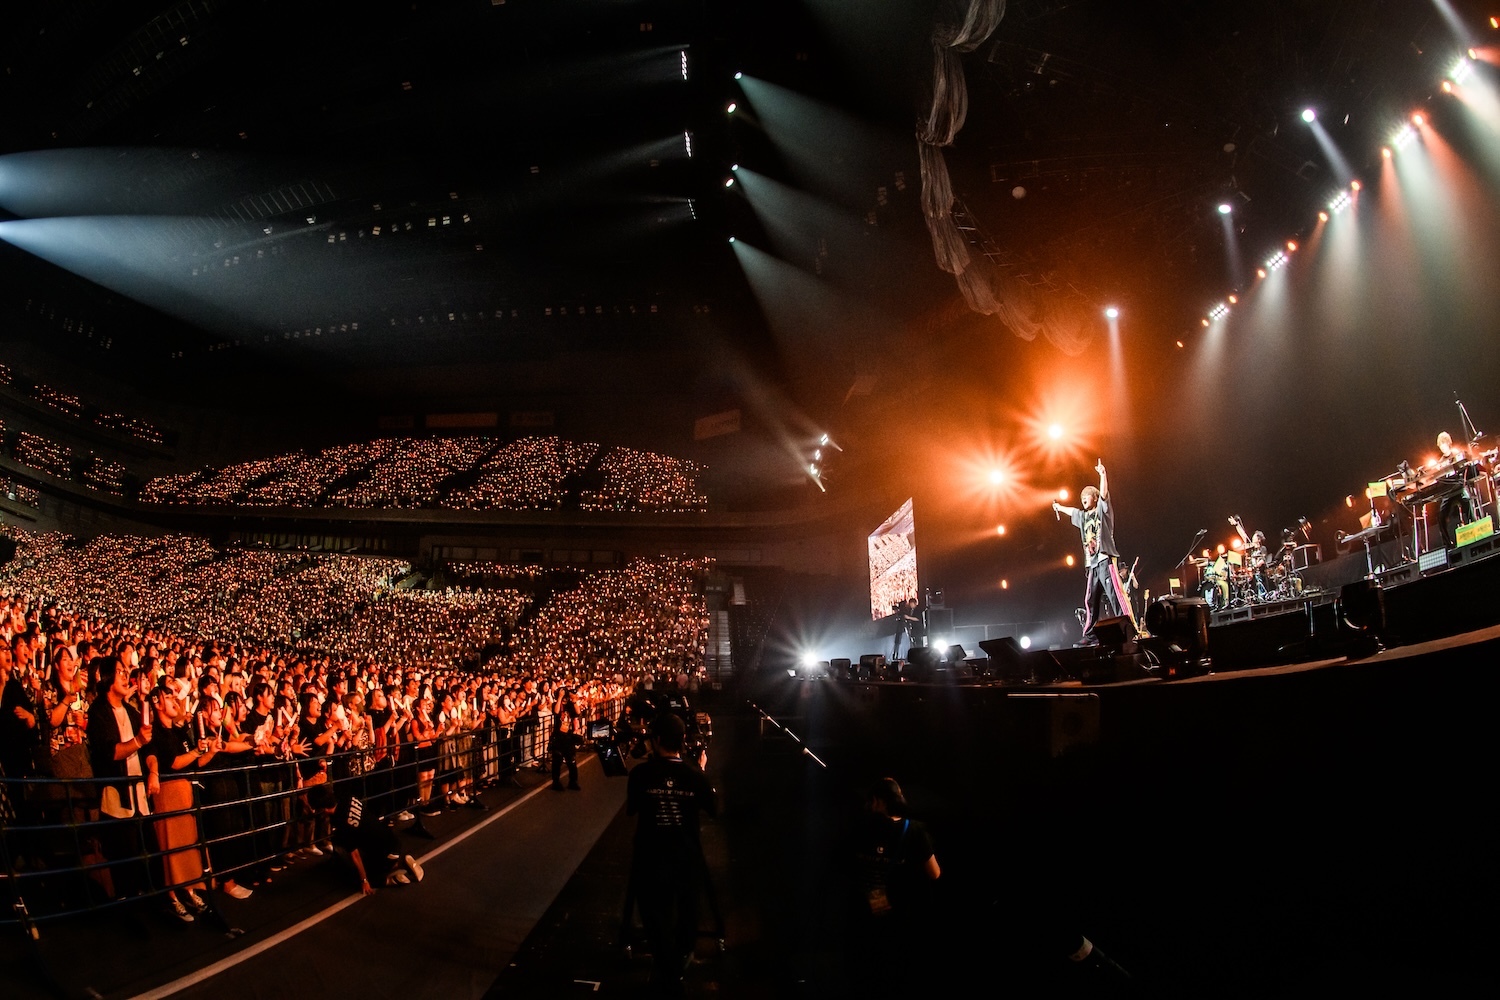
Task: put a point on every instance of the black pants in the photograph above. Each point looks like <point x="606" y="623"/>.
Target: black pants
<point x="668" y="898"/>
<point x="564" y="751"/>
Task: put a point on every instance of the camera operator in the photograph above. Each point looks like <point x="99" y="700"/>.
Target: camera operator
<point x="667" y="873"/>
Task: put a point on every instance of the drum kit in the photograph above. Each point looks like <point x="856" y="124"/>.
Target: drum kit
<point x="1232" y="581"/>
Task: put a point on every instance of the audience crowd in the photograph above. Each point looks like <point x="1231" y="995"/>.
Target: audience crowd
<point x="136" y="670"/>
<point x="466" y="472"/>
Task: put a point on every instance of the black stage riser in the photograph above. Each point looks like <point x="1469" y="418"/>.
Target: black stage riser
<point x="1418" y="608"/>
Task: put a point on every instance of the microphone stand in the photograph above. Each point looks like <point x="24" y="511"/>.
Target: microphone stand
<point x="1470" y="431"/>
<point x="1189" y="553"/>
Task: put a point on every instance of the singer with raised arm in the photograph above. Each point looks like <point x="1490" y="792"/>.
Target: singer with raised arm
<point x="1104" y="594"/>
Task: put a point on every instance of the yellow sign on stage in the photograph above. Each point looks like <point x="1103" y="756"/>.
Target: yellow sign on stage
<point x="1377" y="489"/>
<point x="1472" y="532"/>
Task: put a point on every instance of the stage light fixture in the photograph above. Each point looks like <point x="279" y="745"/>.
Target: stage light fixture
<point x="1179" y="343"/>
<point x="687" y="142"/>
<point x="1004" y="584"/>
<point x="1000" y="530"/>
<point x="1291" y="246"/>
<point x="1112" y="313"/>
<point x="730" y="109"/>
<point x="682" y="55"/>
<point x="1055" y="431"/>
<point x="1219" y="311"/>
<point x="1224" y="208"/>
<point x="1068" y="561"/>
<point x="734" y="167"/>
<point x="1339" y="203"/>
<point x="996" y="477"/>
<point x="1221" y="548"/>
<point x="729" y="182"/>
<point x="731" y="239"/>
<point x="1277" y="261"/>
<point x="1447" y="86"/>
<point x="1260" y="272"/>
<point x="1462" y="69"/>
<point x="1418" y="120"/>
<point x="738" y="75"/>
<point x="1234" y="300"/>
<point x="1309" y="115"/>
<point x="1404" y="137"/>
<point x="1025" y="642"/>
<point x="1204" y="321"/>
<point x="1322" y="216"/>
<point x="1062" y="494"/>
<point x="1385" y="151"/>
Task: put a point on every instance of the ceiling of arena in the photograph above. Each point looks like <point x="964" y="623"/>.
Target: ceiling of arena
<point x="460" y="195"/>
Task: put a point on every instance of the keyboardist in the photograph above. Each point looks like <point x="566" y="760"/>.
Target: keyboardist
<point x="1454" y="463"/>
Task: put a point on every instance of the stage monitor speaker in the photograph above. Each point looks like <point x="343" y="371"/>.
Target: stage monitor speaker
<point x="956" y="654"/>
<point x="871" y="666"/>
<point x="940" y="622"/>
<point x="839" y="669"/>
<point x="1179" y="634"/>
<point x="1115" y="632"/>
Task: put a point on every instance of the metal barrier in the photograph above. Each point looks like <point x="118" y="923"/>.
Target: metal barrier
<point x="59" y="856"/>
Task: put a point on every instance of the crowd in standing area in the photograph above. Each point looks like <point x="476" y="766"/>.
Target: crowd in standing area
<point x="149" y="665"/>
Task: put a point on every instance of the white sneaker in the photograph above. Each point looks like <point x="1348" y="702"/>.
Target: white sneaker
<point x="238" y="891"/>
<point x="181" y="912"/>
<point x="413" y="866"/>
<point x="404" y="816"/>
<point x="397" y="878"/>
<point x="314" y="850"/>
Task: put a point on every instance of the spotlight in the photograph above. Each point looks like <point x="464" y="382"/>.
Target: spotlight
<point x="1069" y="560"/>
<point x="1418" y="120"/>
<point x="1179" y="343"/>
<point x="731" y="239"/>
<point x="1025" y="642"/>
<point x="1234" y="300"/>
<point x="1000" y="529"/>
<point x="1260" y="272"/>
<point x="1004" y="584"/>
<point x="1224" y="208"/>
<point x="1291" y="246"/>
<point x="1062" y="494"/>
<point x="738" y="75"/>
<point x="1309" y="116"/>
<point x="1219" y="311"/>
<point x="1403" y="137"/>
<point x="734" y="166"/>
<point x="1322" y="216"/>
<point x="1055" y="431"/>
<point x="809" y="659"/>
<point x="1204" y="322"/>
<point x="1355" y="186"/>
<point x="729" y="182"/>
<point x="996" y="477"/>
<point x="1340" y="202"/>
<point x="1385" y="151"/>
<point x="1277" y="261"/>
<point x="730" y="109"/>
<point x="1112" y="313"/>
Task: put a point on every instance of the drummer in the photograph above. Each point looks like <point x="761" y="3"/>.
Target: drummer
<point x="1257" y="557"/>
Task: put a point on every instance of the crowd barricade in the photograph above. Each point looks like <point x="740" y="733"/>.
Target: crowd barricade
<point x="62" y="854"/>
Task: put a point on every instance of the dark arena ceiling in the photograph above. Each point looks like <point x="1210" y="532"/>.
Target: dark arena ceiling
<point x="396" y="203"/>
